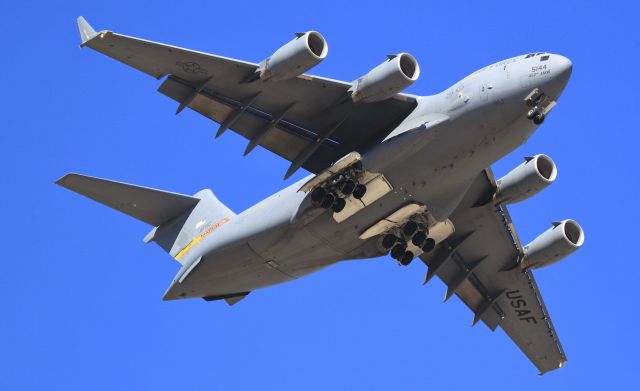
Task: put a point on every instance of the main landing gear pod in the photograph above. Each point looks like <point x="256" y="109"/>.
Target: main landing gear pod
<point x="346" y="187"/>
<point x="407" y="233"/>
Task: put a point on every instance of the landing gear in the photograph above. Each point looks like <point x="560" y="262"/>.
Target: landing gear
<point x="338" y="204"/>
<point x="428" y="245"/>
<point x="409" y="228"/>
<point x="538" y="118"/>
<point x="397" y="252"/>
<point x="534" y="97"/>
<point x="334" y="192"/>
<point x="317" y="195"/>
<point x="406" y="259"/>
<point x="540" y="105"/>
<point x="327" y="201"/>
<point x="388" y="241"/>
<point x="419" y="238"/>
<point x="347" y="187"/>
<point x="407" y="240"/>
<point x="359" y="191"/>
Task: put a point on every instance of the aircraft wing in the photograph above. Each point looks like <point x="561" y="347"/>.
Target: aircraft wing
<point x="479" y="264"/>
<point x="308" y="120"/>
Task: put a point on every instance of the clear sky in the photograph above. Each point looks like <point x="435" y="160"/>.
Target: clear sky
<point x="81" y="294"/>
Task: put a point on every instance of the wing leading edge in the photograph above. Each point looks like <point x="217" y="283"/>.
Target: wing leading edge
<point x="479" y="264"/>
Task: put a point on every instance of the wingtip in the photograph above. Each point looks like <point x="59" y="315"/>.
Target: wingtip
<point x="86" y="31"/>
<point x="60" y="181"/>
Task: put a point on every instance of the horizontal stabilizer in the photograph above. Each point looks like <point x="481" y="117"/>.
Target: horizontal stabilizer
<point x="149" y="205"/>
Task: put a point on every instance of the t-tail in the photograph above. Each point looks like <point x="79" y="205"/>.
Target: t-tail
<point x="180" y="221"/>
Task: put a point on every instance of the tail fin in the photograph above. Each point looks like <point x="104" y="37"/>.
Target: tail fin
<point x="179" y="219"/>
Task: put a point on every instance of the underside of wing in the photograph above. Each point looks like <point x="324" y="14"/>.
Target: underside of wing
<point x="480" y="265"/>
<point x="308" y="120"/>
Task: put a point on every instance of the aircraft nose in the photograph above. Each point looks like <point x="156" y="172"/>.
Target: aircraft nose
<point x="561" y="68"/>
<point x="564" y="67"/>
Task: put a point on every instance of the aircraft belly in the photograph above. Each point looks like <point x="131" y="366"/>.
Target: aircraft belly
<point x="302" y="239"/>
<point x="232" y="270"/>
<point x="437" y="176"/>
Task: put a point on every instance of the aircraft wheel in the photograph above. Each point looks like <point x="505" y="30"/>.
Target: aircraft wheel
<point x="338" y="204"/>
<point x="327" y="201"/>
<point x="359" y="191"/>
<point x="406" y="259"/>
<point x="388" y="241"/>
<point x="428" y="245"/>
<point x="531" y="113"/>
<point x="409" y="228"/>
<point x="317" y="195"/>
<point x="538" y="118"/>
<point x="397" y="252"/>
<point x="419" y="238"/>
<point x="347" y="187"/>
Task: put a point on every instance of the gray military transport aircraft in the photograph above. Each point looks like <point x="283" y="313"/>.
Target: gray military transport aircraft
<point x="390" y="173"/>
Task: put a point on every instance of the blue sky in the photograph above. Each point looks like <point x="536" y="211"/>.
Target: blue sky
<point x="81" y="303"/>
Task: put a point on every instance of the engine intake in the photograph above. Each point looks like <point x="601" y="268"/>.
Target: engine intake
<point x="386" y="80"/>
<point x="529" y="178"/>
<point x="299" y="55"/>
<point x="553" y="245"/>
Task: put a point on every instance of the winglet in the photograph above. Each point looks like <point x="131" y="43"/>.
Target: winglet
<point x="86" y="31"/>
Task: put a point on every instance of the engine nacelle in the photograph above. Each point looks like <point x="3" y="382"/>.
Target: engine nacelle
<point x="386" y="80"/>
<point x="299" y="55"/>
<point x="553" y="245"/>
<point x="529" y="178"/>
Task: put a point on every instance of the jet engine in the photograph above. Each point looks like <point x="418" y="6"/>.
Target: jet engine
<point x="553" y="245"/>
<point x="299" y="55"/>
<point x="386" y="80"/>
<point x="529" y="178"/>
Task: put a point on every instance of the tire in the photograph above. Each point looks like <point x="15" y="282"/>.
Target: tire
<point x="419" y="238"/>
<point x="327" y="201"/>
<point x="338" y="205"/>
<point x="428" y="245"/>
<point x="538" y="119"/>
<point x="531" y="114"/>
<point x="347" y="187"/>
<point x="359" y="191"/>
<point x="409" y="228"/>
<point x="388" y="241"/>
<point x="317" y="195"/>
<point x="406" y="259"/>
<point x="397" y="252"/>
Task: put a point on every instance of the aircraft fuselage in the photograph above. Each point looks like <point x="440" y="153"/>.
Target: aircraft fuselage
<point x="486" y="119"/>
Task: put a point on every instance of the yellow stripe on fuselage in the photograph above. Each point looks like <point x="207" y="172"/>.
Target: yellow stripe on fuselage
<point x="199" y="238"/>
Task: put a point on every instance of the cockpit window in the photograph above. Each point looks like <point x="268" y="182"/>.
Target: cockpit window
<point x="529" y="55"/>
<point x="544" y="58"/>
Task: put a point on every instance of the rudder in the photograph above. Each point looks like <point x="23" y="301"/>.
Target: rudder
<point x="179" y="235"/>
